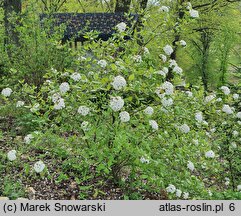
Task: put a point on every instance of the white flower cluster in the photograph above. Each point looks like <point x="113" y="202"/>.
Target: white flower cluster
<point x="153" y="124"/>
<point x="84" y="125"/>
<point x="168" y="50"/>
<point x="164" y="9"/>
<point x="167" y="87"/>
<point x="64" y="87"/>
<point x="35" y="107"/>
<point x="6" y="92"/>
<point x="102" y="63"/>
<point x="137" y="58"/>
<point x="124" y="116"/>
<point x="118" y="83"/>
<point x="116" y="103"/>
<point x="209" y="154"/>
<point x="209" y="98"/>
<point x="171" y="188"/>
<point x="83" y="110"/>
<point x="75" y="76"/>
<point x="163" y="57"/>
<point x="183" y="43"/>
<point x="239" y="187"/>
<point x="144" y="160"/>
<point x="121" y="27"/>
<point x="149" y="110"/>
<point x="27" y="139"/>
<point x="199" y="117"/>
<point x="225" y="90"/>
<point x="58" y="101"/>
<point x="190" y="165"/>
<point x="227" y="109"/>
<point x="12" y="155"/>
<point x="184" y="128"/>
<point x="177" y="69"/>
<point x="19" y="103"/>
<point x="238" y="115"/>
<point x="194" y="13"/>
<point x="166" y="102"/>
<point x="39" y="166"/>
<point x="235" y="96"/>
<point x="59" y="104"/>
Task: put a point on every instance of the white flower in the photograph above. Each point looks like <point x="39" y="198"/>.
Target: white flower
<point x="227" y="109"/>
<point x="64" y="87"/>
<point x="146" y="50"/>
<point x="55" y="97"/>
<point x="185" y="195"/>
<point x="137" y="58"/>
<point x="195" y="141"/>
<point x="168" y="88"/>
<point x="227" y="183"/>
<point x="171" y="188"/>
<point x="144" y="160"/>
<point x="225" y="90"/>
<point x="153" y="124"/>
<point x="190" y="166"/>
<point x="235" y="96"/>
<point x="166" y="102"/>
<point x="75" y="76"/>
<point x="83" y="110"/>
<point x="121" y="27"/>
<point x="124" y="116"/>
<point x="210" y="193"/>
<point x="12" y="155"/>
<point x="189" y="94"/>
<point x="149" y="110"/>
<point x="199" y="117"/>
<point x="168" y="50"/>
<point x="234" y="145"/>
<point x="219" y="99"/>
<point x="238" y="115"/>
<point x="35" y="107"/>
<point x="194" y="13"/>
<point x="161" y="72"/>
<point x="209" y="154"/>
<point x="183" y="43"/>
<point x="7" y="92"/>
<point x="84" y="125"/>
<point x="116" y="103"/>
<point x="118" y="83"/>
<point x="235" y="133"/>
<point x="172" y="63"/>
<point x="59" y="104"/>
<point x="189" y="5"/>
<point x="209" y="98"/>
<point x="163" y="57"/>
<point x="184" y="128"/>
<point x="39" y="166"/>
<point x="102" y="63"/>
<point x="239" y="188"/>
<point x="28" y="138"/>
<point x="164" y="9"/>
<point x="20" y="104"/>
<point x="178" y="193"/>
<point x="177" y="70"/>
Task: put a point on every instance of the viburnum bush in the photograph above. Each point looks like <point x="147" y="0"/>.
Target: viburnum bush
<point x="131" y="125"/>
<point x="109" y="112"/>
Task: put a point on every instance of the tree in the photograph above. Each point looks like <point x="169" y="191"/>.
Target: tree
<point x="122" y="6"/>
<point x="11" y="7"/>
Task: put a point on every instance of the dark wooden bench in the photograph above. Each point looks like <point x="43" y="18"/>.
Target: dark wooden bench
<point x="78" y="24"/>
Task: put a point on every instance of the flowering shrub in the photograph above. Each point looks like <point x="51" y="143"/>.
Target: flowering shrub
<point x="112" y="115"/>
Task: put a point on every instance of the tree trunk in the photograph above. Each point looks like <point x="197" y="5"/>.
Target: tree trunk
<point x="122" y="6"/>
<point x="173" y="56"/>
<point x="11" y="7"/>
